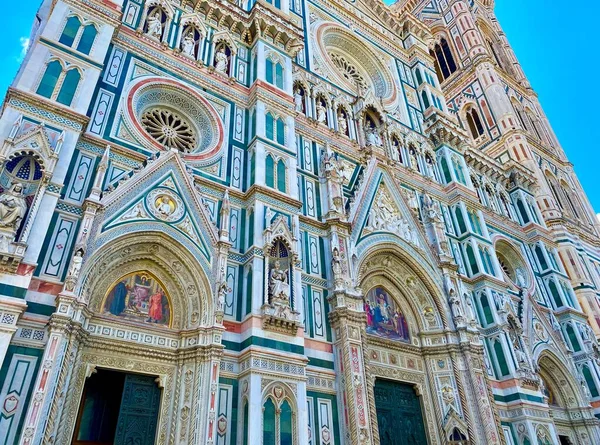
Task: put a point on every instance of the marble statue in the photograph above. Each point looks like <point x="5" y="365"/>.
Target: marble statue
<point x="321" y="113"/>
<point x="12" y="207"/>
<point x="155" y="26"/>
<point x="188" y="44"/>
<point x="298" y="100"/>
<point x="279" y="286"/>
<point x="342" y="123"/>
<point x="76" y="264"/>
<point x="221" y="61"/>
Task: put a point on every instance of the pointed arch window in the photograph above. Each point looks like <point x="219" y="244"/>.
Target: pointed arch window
<point x="274" y="73"/>
<point x="573" y="338"/>
<point x="281" y="176"/>
<point x="50" y="79"/>
<point x="70" y="31"/>
<point x="69" y="87"/>
<point x="555" y="294"/>
<point x="445" y="170"/>
<point x="87" y="39"/>
<point x="501" y="358"/>
<point x="524" y="215"/>
<point x="488" y="316"/>
<point x="278" y="423"/>
<point x="458" y="170"/>
<point x="246" y="423"/>
<point x="269" y="422"/>
<point x="474" y="122"/>
<point x="426" y="103"/>
<point x="539" y="253"/>
<point x="472" y="260"/>
<point x="270" y="171"/>
<point x="460" y="220"/>
<point x="589" y="380"/>
<point x="444" y="62"/>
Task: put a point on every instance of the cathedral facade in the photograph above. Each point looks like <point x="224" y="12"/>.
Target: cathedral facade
<point x="289" y="222"/>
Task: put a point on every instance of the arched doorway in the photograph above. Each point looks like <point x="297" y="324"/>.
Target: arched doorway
<point x="410" y="405"/>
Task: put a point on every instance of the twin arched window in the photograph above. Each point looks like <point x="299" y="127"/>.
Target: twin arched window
<point x="75" y="34"/>
<point x="474" y="122"/>
<point x="274" y="73"/>
<point x="59" y="83"/>
<point x="275" y="129"/>
<point x="277" y="423"/>
<point x="275" y="173"/>
<point x="444" y="62"/>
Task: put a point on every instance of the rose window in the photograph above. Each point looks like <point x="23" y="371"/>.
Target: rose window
<point x="169" y="129"/>
<point x="349" y="71"/>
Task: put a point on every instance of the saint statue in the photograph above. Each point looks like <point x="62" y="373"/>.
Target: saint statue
<point x="76" y="263"/>
<point x="342" y="123"/>
<point x="336" y="265"/>
<point x="321" y="113"/>
<point x="164" y="206"/>
<point x="298" y="100"/>
<point x="12" y="207"/>
<point x="221" y="61"/>
<point x="155" y="26"/>
<point x="278" y="282"/>
<point x="188" y="44"/>
<point x="372" y="136"/>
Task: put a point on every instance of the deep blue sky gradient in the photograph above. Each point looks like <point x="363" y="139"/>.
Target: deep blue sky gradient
<point x="553" y="41"/>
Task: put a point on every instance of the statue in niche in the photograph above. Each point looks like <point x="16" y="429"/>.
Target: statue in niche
<point x="334" y="172"/>
<point x="342" y="122"/>
<point x="155" y="25"/>
<point x="221" y="60"/>
<point x="298" y="100"/>
<point x="279" y="286"/>
<point x="521" y="280"/>
<point x="12" y="207"/>
<point x="456" y="305"/>
<point x="373" y="139"/>
<point x="188" y="44"/>
<point x="336" y="265"/>
<point x="321" y="112"/>
<point x="429" y="209"/>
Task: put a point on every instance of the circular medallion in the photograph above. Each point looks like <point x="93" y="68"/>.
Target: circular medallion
<point x="165" y="205"/>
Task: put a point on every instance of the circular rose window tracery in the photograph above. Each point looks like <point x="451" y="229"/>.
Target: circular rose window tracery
<point x="169" y="129"/>
<point x="164" y="113"/>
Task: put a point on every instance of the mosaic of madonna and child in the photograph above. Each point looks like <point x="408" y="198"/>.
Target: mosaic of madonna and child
<point x="139" y="297"/>
<point x="384" y="318"/>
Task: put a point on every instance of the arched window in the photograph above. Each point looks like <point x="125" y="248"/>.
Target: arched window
<point x="474" y="122"/>
<point x="475" y="223"/>
<point x="278" y="420"/>
<point x="460" y="220"/>
<point x="458" y="170"/>
<point x="522" y="211"/>
<point x="445" y="65"/>
<point x="249" y="293"/>
<point x="572" y="337"/>
<point x="555" y="294"/>
<point x="472" y="260"/>
<point x="69" y="87"/>
<point x="274" y="73"/>
<point x="87" y="39"/>
<point x="589" y="380"/>
<point x="501" y="358"/>
<point x="270" y="171"/>
<point x="281" y="180"/>
<point x="269" y="423"/>
<point x="486" y="258"/>
<point x="280" y="131"/>
<point x="70" y="31"/>
<point x="285" y="424"/>
<point x="488" y="316"/>
<point x="426" y="103"/>
<point x="445" y="170"/>
<point x="539" y="253"/>
<point x="246" y="423"/>
<point x="270" y="127"/>
<point x="50" y="79"/>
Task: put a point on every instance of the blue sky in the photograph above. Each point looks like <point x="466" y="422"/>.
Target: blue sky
<point x="550" y="37"/>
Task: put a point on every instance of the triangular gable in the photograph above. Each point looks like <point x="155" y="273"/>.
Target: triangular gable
<point x="37" y="141"/>
<point x="383" y="210"/>
<point x="162" y="192"/>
